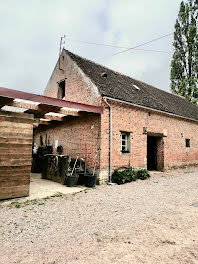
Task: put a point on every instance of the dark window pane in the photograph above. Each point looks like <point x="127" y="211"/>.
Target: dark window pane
<point x="188" y="143"/>
<point x="123" y="136"/>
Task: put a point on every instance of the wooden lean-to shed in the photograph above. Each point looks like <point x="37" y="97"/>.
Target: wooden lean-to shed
<point x="16" y="131"/>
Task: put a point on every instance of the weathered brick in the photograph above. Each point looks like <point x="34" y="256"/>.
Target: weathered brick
<point x="82" y="136"/>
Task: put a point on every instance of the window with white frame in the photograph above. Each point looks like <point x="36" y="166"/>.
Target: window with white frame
<point x="125" y="142"/>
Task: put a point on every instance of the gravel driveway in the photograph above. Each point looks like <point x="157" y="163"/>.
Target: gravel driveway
<point x="151" y="221"/>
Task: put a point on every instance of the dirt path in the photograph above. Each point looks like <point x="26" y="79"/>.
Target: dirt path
<point x="152" y="221"/>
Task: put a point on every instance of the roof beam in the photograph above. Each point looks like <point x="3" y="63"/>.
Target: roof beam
<point x="9" y="93"/>
<point x="51" y="118"/>
<point x="55" y="118"/>
<point x="43" y="122"/>
<point x="38" y="110"/>
<point x="5" y="101"/>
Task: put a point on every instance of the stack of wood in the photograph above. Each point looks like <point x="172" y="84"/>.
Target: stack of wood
<point x="16" y="131"/>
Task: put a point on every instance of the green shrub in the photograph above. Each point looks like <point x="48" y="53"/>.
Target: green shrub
<point x="130" y="174"/>
<point x="124" y="175"/>
<point x="117" y="177"/>
<point x="142" y="174"/>
<point x="134" y="178"/>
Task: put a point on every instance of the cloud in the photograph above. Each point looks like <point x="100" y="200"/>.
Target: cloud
<point x="31" y="31"/>
<point x="136" y="22"/>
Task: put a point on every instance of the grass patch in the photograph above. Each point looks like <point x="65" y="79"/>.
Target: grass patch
<point x="57" y="195"/>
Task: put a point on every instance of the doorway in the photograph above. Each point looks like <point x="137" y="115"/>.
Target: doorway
<point x="151" y="153"/>
<point x="155" y="152"/>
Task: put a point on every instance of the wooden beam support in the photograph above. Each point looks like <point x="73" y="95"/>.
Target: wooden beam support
<point x="5" y="101"/>
<point x="38" y="110"/>
<point x="43" y="122"/>
<point x="9" y="93"/>
<point x="55" y="118"/>
<point x="51" y="118"/>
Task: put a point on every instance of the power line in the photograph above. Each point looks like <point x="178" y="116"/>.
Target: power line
<point x="160" y="51"/>
<point x="97" y="44"/>
<point x="142" y="44"/>
<point x="122" y="47"/>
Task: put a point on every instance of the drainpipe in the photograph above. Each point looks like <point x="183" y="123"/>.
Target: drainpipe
<point x="110" y="140"/>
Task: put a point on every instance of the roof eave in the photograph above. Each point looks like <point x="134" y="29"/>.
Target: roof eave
<point x="148" y="108"/>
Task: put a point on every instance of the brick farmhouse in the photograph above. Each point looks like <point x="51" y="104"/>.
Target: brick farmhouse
<point x="140" y="126"/>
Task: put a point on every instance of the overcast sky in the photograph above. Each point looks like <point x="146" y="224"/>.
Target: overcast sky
<point x="31" y="31"/>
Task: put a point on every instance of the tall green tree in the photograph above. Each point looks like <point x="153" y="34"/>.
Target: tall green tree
<point x="184" y="65"/>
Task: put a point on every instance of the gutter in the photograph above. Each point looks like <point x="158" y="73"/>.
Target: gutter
<point x="110" y="139"/>
<point x="148" y="108"/>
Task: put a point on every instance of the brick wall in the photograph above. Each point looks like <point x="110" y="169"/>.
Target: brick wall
<point x="160" y="153"/>
<point x="78" y="87"/>
<point x="15" y="154"/>
<point x="79" y="136"/>
<point x="172" y="149"/>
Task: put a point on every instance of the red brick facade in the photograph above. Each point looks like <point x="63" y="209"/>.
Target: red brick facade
<point x="78" y="136"/>
<point x="170" y="131"/>
<point x="84" y="135"/>
<point x="78" y="87"/>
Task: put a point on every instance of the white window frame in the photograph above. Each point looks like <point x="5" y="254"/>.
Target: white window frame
<point x="125" y="142"/>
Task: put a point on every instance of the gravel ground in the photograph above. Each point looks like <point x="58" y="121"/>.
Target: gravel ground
<point x="151" y="221"/>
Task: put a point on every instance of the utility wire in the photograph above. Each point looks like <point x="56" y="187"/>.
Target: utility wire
<point x="160" y="51"/>
<point x="97" y="44"/>
<point x="142" y="44"/>
<point x="122" y="47"/>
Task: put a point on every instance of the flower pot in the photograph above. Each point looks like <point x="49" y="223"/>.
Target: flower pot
<point x="71" y="180"/>
<point x="81" y="179"/>
<point x="90" y="180"/>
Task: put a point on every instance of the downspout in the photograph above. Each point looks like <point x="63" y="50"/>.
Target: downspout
<point x="110" y="139"/>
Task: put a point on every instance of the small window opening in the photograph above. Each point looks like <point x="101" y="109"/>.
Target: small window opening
<point x="61" y="89"/>
<point x="125" y="142"/>
<point x="187" y="143"/>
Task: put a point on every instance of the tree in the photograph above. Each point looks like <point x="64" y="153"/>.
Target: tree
<point x="184" y="65"/>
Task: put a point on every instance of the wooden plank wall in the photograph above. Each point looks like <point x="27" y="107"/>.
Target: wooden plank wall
<point x="16" y="131"/>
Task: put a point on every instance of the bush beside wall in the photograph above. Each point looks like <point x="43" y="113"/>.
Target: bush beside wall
<point x="128" y="174"/>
